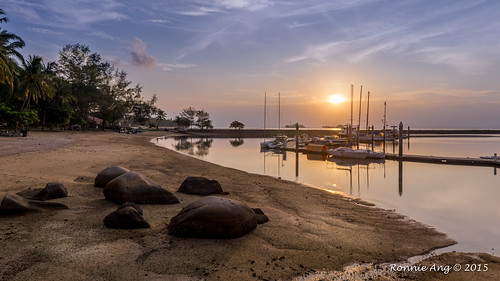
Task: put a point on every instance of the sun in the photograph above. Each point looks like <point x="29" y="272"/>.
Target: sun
<point x="336" y="99"/>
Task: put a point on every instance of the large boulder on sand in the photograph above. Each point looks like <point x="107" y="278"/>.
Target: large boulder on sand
<point x="52" y="190"/>
<point x="213" y="217"/>
<point x="109" y="174"/>
<point x="126" y="217"/>
<point x="136" y="188"/>
<point x="13" y="203"/>
<point x="200" y="186"/>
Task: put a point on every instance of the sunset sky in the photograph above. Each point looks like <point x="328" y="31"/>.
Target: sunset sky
<point x="436" y="63"/>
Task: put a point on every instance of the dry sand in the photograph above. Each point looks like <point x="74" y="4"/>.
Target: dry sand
<point x="310" y="231"/>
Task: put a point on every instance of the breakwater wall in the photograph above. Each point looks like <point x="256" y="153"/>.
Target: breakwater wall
<point x="269" y="133"/>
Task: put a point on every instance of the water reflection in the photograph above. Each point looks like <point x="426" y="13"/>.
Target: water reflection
<point x="236" y="142"/>
<point x="193" y="146"/>
<point x="458" y="200"/>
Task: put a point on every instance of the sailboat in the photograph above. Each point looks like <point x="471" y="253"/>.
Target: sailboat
<point x="280" y="140"/>
<point x="349" y="152"/>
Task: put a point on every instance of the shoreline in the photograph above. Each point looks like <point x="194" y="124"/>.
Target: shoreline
<point x="269" y="133"/>
<point x="311" y="229"/>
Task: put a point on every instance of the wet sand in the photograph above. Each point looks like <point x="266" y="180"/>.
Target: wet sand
<point x="310" y="231"/>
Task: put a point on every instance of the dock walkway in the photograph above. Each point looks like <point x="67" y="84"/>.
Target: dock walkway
<point x="466" y="161"/>
<point x="445" y="160"/>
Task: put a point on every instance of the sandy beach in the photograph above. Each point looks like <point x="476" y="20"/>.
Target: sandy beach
<point x="310" y="231"/>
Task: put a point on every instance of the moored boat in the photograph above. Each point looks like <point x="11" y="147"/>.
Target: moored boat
<point x="347" y="152"/>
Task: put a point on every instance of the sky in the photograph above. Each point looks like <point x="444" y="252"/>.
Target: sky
<point x="434" y="63"/>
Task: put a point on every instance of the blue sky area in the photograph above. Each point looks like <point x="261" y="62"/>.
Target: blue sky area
<point x="434" y="62"/>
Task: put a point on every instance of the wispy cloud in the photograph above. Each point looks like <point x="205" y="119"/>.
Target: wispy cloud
<point x="75" y="14"/>
<point x="198" y="11"/>
<point x="203" y="43"/>
<point x="161" y="21"/>
<point x="22" y="8"/>
<point x="172" y="66"/>
<point x="46" y="31"/>
<point x="102" y="35"/>
<point x="251" y="5"/>
<point x="139" y="55"/>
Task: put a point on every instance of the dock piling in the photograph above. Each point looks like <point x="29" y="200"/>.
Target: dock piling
<point x="401" y="139"/>
<point x="297" y="136"/>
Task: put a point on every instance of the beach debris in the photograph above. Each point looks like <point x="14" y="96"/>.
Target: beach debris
<point x="109" y="174"/>
<point x="213" y="217"/>
<point x="52" y="190"/>
<point x="261" y="217"/>
<point x="136" y="188"/>
<point x="13" y="203"/>
<point x="126" y="217"/>
<point x="200" y="186"/>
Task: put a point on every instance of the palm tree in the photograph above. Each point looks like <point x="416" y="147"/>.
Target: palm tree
<point x="59" y="107"/>
<point x="9" y="43"/>
<point x="34" y="84"/>
<point x="2" y="17"/>
<point x="160" y="116"/>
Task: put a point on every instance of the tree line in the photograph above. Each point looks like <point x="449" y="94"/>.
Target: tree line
<point x="67" y="91"/>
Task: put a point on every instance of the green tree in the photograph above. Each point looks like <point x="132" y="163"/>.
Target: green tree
<point x="34" y="83"/>
<point x="182" y="121"/>
<point x="87" y="74"/>
<point x="116" y="99"/>
<point x="160" y="116"/>
<point x="9" y="45"/>
<point x="15" y="118"/>
<point x="58" y="110"/>
<point x="143" y="110"/>
<point x="190" y="114"/>
<point x="203" y="120"/>
<point x="237" y="125"/>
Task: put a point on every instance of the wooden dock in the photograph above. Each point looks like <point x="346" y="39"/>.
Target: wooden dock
<point x="466" y="161"/>
<point x="450" y="160"/>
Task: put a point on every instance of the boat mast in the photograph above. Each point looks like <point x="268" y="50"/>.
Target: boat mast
<point x="265" y="113"/>
<point x="279" y="113"/>
<point x="367" y="110"/>
<point x="383" y="129"/>
<point x="352" y="105"/>
<point x="359" y="118"/>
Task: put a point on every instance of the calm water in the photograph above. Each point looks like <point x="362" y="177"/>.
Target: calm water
<point x="461" y="201"/>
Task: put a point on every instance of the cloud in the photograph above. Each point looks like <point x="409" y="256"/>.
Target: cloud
<point x="139" y="56"/>
<point x="203" y="8"/>
<point x="102" y="35"/>
<point x="75" y="14"/>
<point x="161" y="21"/>
<point x="46" y="31"/>
<point x="172" y="66"/>
<point x="251" y="5"/>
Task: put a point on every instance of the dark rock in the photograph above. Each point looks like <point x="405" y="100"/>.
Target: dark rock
<point x="52" y="190"/>
<point x="260" y="216"/>
<point x="125" y="218"/>
<point x="200" y="186"/>
<point x="13" y="203"/>
<point x="109" y="174"/>
<point x="133" y="205"/>
<point x="213" y="217"/>
<point x="136" y="188"/>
